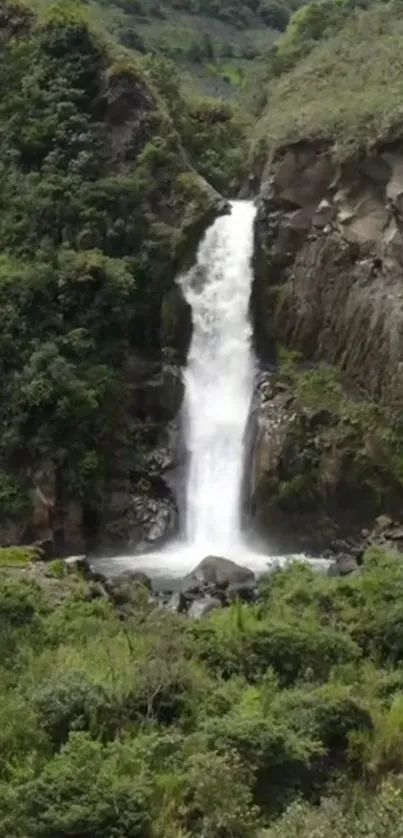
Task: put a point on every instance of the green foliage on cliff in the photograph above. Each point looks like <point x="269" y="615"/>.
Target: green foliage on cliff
<point x="212" y="132"/>
<point x="262" y="717"/>
<point x="99" y="199"/>
<point x="335" y="75"/>
<point x="343" y="441"/>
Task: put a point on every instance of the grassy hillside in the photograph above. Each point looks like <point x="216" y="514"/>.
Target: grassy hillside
<point x="349" y="87"/>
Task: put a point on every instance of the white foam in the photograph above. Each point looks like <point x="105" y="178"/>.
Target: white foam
<point x="177" y="559"/>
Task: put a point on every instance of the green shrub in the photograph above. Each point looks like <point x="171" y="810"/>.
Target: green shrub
<point x="293" y="649"/>
<point x="319" y="93"/>
<point x="74" y="703"/>
<point x="18" y="556"/>
<point x="378" y="816"/>
<point x="56" y="568"/>
<point x="21" y="601"/>
<point x="219" y="801"/>
<point x="278" y="757"/>
<point x="86" y="789"/>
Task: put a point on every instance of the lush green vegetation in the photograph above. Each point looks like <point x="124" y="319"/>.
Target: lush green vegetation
<point x="336" y="75"/>
<point x="207" y="38"/>
<point x="285" y="715"/>
<point x="93" y="225"/>
<point x="204" y="39"/>
<point x="338" y="440"/>
<point x="17" y="556"/>
<point x="217" y="42"/>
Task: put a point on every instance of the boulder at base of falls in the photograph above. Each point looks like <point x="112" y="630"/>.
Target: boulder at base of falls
<point x="201" y="607"/>
<point x="78" y="564"/>
<point x="216" y="573"/>
<point x="178" y="603"/>
<point x="343" y="566"/>
<point x="133" y="578"/>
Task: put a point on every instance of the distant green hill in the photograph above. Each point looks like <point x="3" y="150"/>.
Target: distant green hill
<point x="214" y="41"/>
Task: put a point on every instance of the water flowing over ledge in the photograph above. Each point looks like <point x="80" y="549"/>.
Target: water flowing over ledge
<point x="219" y="381"/>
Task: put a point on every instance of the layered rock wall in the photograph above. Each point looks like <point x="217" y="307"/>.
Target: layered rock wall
<point x="330" y="264"/>
<point x="329" y="284"/>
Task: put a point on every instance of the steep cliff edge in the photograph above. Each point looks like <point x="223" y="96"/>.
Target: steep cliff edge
<point x="329" y="269"/>
<point x="100" y="207"/>
<point x="329" y="285"/>
<point x="331" y="241"/>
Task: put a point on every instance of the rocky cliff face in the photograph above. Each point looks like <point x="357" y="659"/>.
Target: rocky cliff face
<point x="330" y="261"/>
<point x="329" y="271"/>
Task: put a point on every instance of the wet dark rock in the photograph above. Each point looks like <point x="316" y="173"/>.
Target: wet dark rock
<point x="178" y="603"/>
<point x="136" y="577"/>
<point x="46" y="549"/>
<point x="176" y="324"/>
<point x="201" y="607"/>
<point x="154" y="520"/>
<point x="217" y="572"/>
<point x="121" y="587"/>
<point x="78" y="564"/>
<point x="386" y="534"/>
<point x="96" y="590"/>
<point x="246" y="591"/>
<point x="343" y="566"/>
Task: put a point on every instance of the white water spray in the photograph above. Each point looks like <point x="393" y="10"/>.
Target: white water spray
<point x="219" y="381"/>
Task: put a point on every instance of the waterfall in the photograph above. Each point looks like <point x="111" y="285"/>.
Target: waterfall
<point x="219" y="381"/>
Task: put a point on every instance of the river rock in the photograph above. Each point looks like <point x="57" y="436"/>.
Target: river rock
<point x="217" y="572"/>
<point x="201" y="607"/>
<point x="343" y="565"/>
<point x="246" y="591"/>
<point x="154" y="520"/>
<point x="78" y="564"/>
<point x="178" y="603"/>
<point x="136" y="578"/>
<point x="121" y="587"/>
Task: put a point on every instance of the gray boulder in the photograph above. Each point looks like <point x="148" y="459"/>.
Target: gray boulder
<point x="201" y="607"/>
<point x="343" y="566"/>
<point x="178" y="603"/>
<point x="78" y="564"/>
<point x="123" y="588"/>
<point x="246" y="591"/>
<point x="217" y="572"/>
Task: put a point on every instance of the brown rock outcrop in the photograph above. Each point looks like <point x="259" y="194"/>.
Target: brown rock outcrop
<point x="329" y="284"/>
<point x="330" y="264"/>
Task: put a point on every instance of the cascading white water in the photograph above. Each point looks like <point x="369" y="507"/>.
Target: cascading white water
<point x="219" y="380"/>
